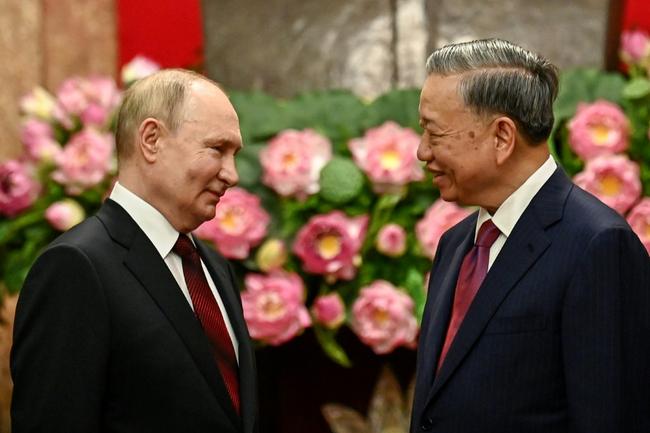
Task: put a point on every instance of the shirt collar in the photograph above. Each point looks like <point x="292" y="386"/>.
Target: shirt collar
<point x="514" y="206"/>
<point x="159" y="231"/>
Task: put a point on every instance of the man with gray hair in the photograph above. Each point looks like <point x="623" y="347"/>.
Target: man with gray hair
<point x="537" y="317"/>
<point x="126" y="323"/>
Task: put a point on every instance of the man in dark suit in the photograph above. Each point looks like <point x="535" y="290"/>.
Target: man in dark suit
<point x="538" y="309"/>
<point x="125" y="323"/>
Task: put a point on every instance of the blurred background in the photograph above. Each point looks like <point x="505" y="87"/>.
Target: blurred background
<point x="286" y="46"/>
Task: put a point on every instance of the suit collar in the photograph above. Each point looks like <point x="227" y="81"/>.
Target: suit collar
<point x="511" y="210"/>
<point x="522" y="249"/>
<point x="154" y="224"/>
<point x="145" y="263"/>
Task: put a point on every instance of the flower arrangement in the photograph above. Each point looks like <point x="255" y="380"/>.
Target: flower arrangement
<point x="335" y="222"/>
<point x="322" y="230"/>
<point x="66" y="168"/>
<point x="601" y="135"/>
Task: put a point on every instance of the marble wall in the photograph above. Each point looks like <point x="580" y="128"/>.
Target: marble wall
<point x="370" y="46"/>
<point x="44" y="41"/>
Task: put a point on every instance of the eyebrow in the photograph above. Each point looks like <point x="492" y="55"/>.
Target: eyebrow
<point x="426" y="120"/>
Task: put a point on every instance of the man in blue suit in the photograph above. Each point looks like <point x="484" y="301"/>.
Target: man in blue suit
<point x="538" y="309"/>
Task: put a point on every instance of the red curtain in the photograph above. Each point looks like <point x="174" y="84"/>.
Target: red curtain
<point x="636" y="15"/>
<point x="169" y="32"/>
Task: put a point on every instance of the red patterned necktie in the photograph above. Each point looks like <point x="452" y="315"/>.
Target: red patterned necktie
<point x="208" y="313"/>
<point x="472" y="273"/>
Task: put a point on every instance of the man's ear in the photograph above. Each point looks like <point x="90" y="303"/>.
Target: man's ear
<point x="149" y="134"/>
<point x="505" y="137"/>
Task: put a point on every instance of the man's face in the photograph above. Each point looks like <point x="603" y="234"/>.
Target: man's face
<point x="196" y="163"/>
<point x="457" y="145"/>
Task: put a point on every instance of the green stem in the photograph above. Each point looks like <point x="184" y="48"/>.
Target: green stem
<point x="18" y="224"/>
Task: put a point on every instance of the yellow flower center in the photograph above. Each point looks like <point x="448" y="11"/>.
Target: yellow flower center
<point x="647" y="230"/>
<point x="380" y="317"/>
<point x="600" y="134"/>
<point x="610" y="185"/>
<point x="230" y="221"/>
<point x="329" y="246"/>
<point x="289" y="160"/>
<point x="271" y="306"/>
<point x="390" y="160"/>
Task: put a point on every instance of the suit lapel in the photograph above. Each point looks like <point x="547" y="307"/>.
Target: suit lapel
<point x="445" y="298"/>
<point x="247" y="378"/>
<point x="434" y="334"/>
<point x="149" y="268"/>
<point x="522" y="249"/>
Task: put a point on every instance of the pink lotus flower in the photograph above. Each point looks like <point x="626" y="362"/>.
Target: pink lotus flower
<point x="635" y="45"/>
<point x="38" y="138"/>
<point x="639" y="220"/>
<point x="439" y="218"/>
<point x="613" y="179"/>
<point x="391" y="240"/>
<point x="85" y="161"/>
<point x="292" y="162"/>
<point x="138" y="68"/>
<point x="90" y="100"/>
<point x="38" y="103"/>
<point x="329" y="310"/>
<point x="274" y="306"/>
<point x="598" y="129"/>
<point x="18" y="189"/>
<point x="383" y="318"/>
<point x="238" y="225"/>
<point x="64" y="214"/>
<point x="387" y="154"/>
<point x="329" y="244"/>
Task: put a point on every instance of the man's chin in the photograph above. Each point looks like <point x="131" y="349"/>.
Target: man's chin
<point x="448" y="195"/>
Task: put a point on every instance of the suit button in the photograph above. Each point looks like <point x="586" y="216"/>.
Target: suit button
<point x="427" y="424"/>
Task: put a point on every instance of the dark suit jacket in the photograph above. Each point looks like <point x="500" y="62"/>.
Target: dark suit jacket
<point x="557" y="338"/>
<point x="105" y="341"/>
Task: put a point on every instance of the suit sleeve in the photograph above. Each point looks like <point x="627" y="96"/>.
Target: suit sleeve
<point x="606" y="337"/>
<point x="60" y="353"/>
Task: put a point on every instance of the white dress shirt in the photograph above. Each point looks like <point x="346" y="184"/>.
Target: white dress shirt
<point x="163" y="236"/>
<point x="514" y="206"/>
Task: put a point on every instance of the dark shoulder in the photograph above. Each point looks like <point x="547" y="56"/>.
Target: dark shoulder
<point x="457" y="233"/>
<point x="90" y="237"/>
<point x="590" y="216"/>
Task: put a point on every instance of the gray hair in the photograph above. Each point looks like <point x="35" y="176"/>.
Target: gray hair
<point x="160" y="96"/>
<point x="501" y="77"/>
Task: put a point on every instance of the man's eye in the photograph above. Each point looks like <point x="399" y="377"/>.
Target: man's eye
<point x="432" y="137"/>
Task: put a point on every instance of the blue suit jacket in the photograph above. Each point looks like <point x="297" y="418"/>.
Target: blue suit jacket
<point x="557" y="338"/>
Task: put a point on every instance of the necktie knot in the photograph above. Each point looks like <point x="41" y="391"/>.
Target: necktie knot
<point x="487" y="234"/>
<point x="184" y="247"/>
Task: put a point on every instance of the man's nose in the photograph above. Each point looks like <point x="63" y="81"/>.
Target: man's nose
<point x="424" y="152"/>
<point x="228" y="172"/>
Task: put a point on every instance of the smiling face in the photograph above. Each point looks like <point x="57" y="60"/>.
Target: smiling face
<point x="196" y="163"/>
<point x="457" y="145"/>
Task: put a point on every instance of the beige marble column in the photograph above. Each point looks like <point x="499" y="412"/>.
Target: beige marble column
<point x="44" y="41"/>
<point x="21" y="66"/>
<point x="81" y="39"/>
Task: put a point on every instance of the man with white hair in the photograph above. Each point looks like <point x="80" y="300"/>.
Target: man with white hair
<point x="537" y="317"/>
